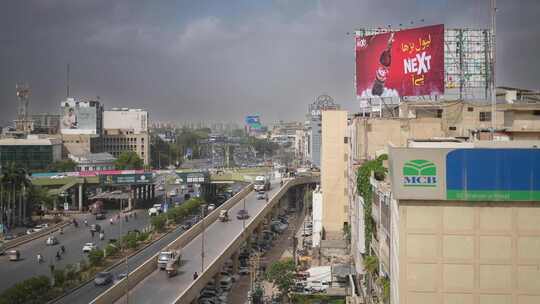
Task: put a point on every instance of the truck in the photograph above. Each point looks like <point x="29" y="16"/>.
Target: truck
<point x="262" y="183"/>
<point x="97" y="207"/>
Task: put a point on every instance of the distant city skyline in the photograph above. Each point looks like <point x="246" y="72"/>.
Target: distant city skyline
<point x="220" y="60"/>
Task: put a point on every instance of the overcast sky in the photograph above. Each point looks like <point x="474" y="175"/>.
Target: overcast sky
<point x="220" y="60"/>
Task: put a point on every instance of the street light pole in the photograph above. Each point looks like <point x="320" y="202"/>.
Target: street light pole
<point x="244" y="217"/>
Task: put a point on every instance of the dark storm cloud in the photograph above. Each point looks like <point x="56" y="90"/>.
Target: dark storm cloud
<point x="222" y="59"/>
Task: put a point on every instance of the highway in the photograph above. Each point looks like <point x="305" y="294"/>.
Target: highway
<point x="88" y="292"/>
<point x="158" y="288"/>
<point x="73" y="240"/>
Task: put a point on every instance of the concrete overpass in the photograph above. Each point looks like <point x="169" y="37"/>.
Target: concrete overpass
<point x="147" y="284"/>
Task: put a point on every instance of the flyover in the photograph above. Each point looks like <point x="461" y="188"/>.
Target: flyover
<point x="220" y="242"/>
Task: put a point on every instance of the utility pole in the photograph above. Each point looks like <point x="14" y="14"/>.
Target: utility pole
<point x="493" y="11"/>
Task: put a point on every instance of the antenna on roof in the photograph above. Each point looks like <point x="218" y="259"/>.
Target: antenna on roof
<point x="67" y="80"/>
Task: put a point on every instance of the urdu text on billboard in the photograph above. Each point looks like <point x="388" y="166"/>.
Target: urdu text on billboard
<point x="78" y="117"/>
<point x="404" y="63"/>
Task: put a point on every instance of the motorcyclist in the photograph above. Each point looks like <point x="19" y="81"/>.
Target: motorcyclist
<point x="61" y="230"/>
<point x="281" y="183"/>
<point x="39" y="258"/>
<point x="63" y="249"/>
<point x="111" y="221"/>
<point x="85" y="222"/>
<point x="195" y="276"/>
<point x="58" y="255"/>
<point x="102" y="235"/>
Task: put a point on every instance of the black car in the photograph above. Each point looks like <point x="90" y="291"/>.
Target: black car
<point x="95" y="228"/>
<point x="100" y="216"/>
<point x="103" y="278"/>
<point x="242" y="214"/>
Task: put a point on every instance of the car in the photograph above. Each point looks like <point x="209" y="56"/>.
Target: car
<point x="160" y="188"/>
<point x="9" y="237"/>
<point x="51" y="241"/>
<point x="153" y="211"/>
<point x="100" y="216"/>
<point x="172" y="193"/>
<point x="103" y="278"/>
<point x="30" y="231"/>
<point x="242" y="214"/>
<point x="261" y="195"/>
<point x="89" y="247"/>
<point x="164" y="257"/>
<point x="40" y="227"/>
<point x="211" y="207"/>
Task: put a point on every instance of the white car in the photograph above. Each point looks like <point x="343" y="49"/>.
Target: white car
<point x="88" y="247"/>
<point x="51" y="241"/>
<point x="153" y="211"/>
<point x="211" y="207"/>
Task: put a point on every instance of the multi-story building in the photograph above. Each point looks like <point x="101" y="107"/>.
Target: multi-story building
<point x="459" y="223"/>
<point x="45" y="123"/>
<point x="33" y="153"/>
<point x="442" y="124"/>
<point x="126" y="130"/>
<point x="322" y="103"/>
<point x="334" y="156"/>
<point x="94" y="161"/>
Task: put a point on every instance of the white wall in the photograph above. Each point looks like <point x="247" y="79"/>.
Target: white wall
<point x="126" y="120"/>
<point x="317" y="217"/>
<point x="394" y="252"/>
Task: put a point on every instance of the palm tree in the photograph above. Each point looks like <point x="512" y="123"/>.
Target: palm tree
<point x="16" y="181"/>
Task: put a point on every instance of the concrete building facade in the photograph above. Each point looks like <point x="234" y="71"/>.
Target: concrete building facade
<point x="116" y="141"/>
<point x="334" y="156"/>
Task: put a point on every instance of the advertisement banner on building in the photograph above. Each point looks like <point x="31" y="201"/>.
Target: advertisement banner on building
<point x="253" y="122"/>
<point x="465" y="174"/>
<point x="404" y="63"/>
<point x="78" y="117"/>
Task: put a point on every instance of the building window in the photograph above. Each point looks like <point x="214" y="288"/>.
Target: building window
<point x="439" y="113"/>
<point x="470" y="109"/>
<point x="345" y="140"/>
<point x="452" y="128"/>
<point x="536" y="112"/>
<point x="485" y="116"/>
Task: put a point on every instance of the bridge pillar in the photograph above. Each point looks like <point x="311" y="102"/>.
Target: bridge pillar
<point x="153" y="191"/>
<point x="235" y="261"/>
<point x="130" y="198"/>
<point x="81" y="193"/>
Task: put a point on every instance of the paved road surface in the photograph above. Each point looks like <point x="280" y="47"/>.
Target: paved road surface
<point x="73" y="240"/>
<point x="157" y="288"/>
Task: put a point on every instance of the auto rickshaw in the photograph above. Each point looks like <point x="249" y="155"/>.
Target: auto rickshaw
<point x="14" y="255"/>
<point x="172" y="265"/>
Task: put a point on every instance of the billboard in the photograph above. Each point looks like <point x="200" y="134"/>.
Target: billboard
<point x="253" y="122"/>
<point x="466" y="174"/>
<point x="78" y="117"/>
<point x="404" y="63"/>
<point x="126" y="179"/>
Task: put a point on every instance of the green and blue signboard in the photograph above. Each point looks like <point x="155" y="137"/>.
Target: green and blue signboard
<point x="466" y="174"/>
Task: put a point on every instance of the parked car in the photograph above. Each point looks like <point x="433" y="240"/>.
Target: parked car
<point x="103" y="278"/>
<point x="242" y="214"/>
<point x="51" y="241"/>
<point x="89" y="247"/>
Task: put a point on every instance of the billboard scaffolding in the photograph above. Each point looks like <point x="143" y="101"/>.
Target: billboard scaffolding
<point x="467" y="71"/>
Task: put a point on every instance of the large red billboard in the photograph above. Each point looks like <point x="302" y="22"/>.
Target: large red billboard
<point x="404" y="63"/>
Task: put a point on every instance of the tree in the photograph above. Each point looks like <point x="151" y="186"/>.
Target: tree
<point x="95" y="257"/>
<point x="65" y="165"/>
<point x="158" y="222"/>
<point x="281" y="274"/>
<point x="129" y="160"/>
<point x="33" y="290"/>
<point x="371" y="264"/>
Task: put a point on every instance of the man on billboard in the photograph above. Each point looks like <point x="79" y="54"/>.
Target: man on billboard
<point x="403" y="63"/>
<point x="69" y="121"/>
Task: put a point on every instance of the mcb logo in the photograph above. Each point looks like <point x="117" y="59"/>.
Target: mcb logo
<point x="419" y="173"/>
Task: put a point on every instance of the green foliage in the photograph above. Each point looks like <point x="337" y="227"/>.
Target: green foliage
<point x="366" y="192"/>
<point x="59" y="277"/>
<point x="39" y="195"/>
<point x="95" y="257"/>
<point x="111" y="250"/>
<point x="65" y="165"/>
<point x="371" y="264"/>
<point x="316" y="298"/>
<point x="159" y="221"/>
<point x="347" y="233"/>
<point x="263" y="146"/>
<point x="143" y="236"/>
<point x="384" y="283"/>
<point x="71" y="273"/>
<point x="281" y="274"/>
<point x="33" y="290"/>
<point x="129" y="160"/>
<point x="130" y="240"/>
